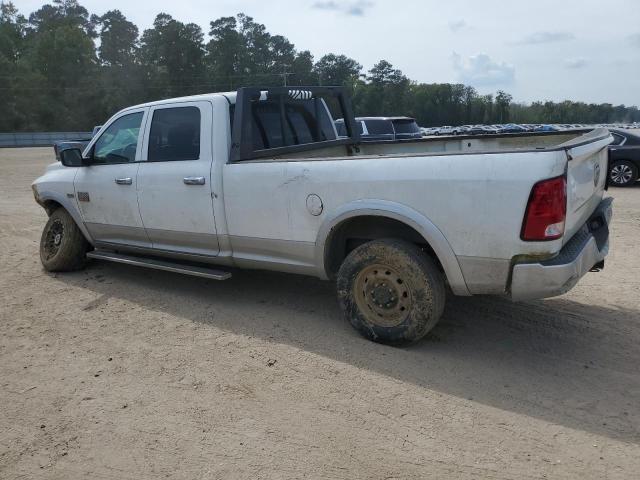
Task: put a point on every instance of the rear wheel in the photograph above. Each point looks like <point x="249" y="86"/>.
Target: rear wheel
<point x="623" y="173"/>
<point x="63" y="248"/>
<point x="391" y="291"/>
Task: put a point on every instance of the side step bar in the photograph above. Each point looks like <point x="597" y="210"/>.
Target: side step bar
<point x="195" y="271"/>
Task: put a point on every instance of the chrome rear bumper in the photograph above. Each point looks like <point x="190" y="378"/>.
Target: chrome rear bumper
<point x="586" y="250"/>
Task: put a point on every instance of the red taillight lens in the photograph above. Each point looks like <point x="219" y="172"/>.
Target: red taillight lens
<point x="546" y="211"/>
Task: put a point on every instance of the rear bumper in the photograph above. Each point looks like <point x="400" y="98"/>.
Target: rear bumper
<point x="586" y="250"/>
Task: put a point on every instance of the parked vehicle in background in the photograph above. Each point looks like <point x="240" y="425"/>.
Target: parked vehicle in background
<point x="481" y="130"/>
<point x="461" y="130"/>
<point x="376" y="128"/>
<point x="546" y="128"/>
<point x="383" y="128"/>
<point x="405" y="128"/>
<point x="429" y="131"/>
<point x="624" y="158"/>
<point x="371" y="129"/>
<point x="80" y="143"/>
<point x="259" y="179"/>
<point x="513" y="128"/>
<point x="446" y="130"/>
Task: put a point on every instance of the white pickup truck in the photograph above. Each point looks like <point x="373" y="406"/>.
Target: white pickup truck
<point x="259" y="179"/>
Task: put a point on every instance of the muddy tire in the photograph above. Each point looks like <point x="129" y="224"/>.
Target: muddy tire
<point x="63" y="248"/>
<point x="391" y="291"/>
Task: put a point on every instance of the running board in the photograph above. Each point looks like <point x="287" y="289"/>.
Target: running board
<point x="195" y="271"/>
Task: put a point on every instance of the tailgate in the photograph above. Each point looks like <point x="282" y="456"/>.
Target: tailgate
<point x="586" y="177"/>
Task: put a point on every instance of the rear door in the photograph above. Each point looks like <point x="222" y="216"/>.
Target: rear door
<point x="174" y="181"/>
<point x="106" y="190"/>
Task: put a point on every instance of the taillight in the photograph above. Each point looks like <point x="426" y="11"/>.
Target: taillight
<point x="546" y="211"/>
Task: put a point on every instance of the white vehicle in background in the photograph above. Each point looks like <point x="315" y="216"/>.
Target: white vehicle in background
<point x="259" y="179"/>
<point x="429" y="131"/>
<point x="446" y="130"/>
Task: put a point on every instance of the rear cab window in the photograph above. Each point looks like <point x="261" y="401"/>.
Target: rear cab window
<point x="174" y="134"/>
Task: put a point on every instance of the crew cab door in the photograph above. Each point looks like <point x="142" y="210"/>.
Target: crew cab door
<point x="106" y="189"/>
<point x="174" y="181"/>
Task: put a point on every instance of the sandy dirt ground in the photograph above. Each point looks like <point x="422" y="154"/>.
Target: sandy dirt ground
<point x="117" y="372"/>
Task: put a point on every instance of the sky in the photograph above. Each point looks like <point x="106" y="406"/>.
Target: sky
<point x="584" y="50"/>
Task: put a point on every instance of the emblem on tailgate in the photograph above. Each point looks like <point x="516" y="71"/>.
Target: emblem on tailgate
<point x="596" y="174"/>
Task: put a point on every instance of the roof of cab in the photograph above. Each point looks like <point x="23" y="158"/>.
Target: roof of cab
<point x="230" y="96"/>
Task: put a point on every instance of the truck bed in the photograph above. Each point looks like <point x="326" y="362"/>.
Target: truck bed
<point x="454" y="145"/>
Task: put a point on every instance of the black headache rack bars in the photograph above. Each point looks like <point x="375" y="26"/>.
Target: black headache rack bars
<point x="242" y="144"/>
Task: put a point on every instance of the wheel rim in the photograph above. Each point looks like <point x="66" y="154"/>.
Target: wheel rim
<point x="382" y="295"/>
<point x="621" y="174"/>
<point x="53" y="239"/>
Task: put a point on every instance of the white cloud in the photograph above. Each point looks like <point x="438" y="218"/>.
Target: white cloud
<point x="538" y="38"/>
<point x="575" y="63"/>
<point x="357" y="8"/>
<point x="482" y="71"/>
<point x="635" y="39"/>
<point x="457" y="25"/>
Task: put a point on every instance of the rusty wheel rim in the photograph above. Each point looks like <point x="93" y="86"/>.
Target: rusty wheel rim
<point x="382" y="295"/>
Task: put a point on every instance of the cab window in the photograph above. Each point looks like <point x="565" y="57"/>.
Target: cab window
<point x="118" y="143"/>
<point x="174" y="134"/>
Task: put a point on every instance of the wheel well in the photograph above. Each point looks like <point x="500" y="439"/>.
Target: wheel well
<point x="353" y="232"/>
<point x="50" y="206"/>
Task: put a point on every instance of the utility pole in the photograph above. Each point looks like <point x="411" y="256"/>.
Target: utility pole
<point x="285" y="77"/>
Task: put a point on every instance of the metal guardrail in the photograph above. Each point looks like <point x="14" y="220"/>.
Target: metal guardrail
<point x="38" y="139"/>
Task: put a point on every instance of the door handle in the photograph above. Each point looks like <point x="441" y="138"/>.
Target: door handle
<point x="193" y="180"/>
<point x="124" y="181"/>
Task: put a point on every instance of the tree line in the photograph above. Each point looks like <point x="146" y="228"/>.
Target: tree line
<point x="62" y="68"/>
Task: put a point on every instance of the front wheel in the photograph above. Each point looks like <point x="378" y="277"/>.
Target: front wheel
<point x="63" y="248"/>
<point x="623" y="173"/>
<point x="391" y="291"/>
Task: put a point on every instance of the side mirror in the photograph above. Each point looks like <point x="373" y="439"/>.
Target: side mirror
<point x="72" y="157"/>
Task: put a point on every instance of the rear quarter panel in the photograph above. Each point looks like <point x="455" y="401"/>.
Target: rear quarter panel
<point x="476" y="200"/>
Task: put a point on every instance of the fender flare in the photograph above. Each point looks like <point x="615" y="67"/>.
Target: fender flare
<point x="69" y="205"/>
<point x="397" y="211"/>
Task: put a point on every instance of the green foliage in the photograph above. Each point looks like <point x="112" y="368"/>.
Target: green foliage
<point x="118" y="40"/>
<point x="335" y="69"/>
<point x="64" y="69"/>
<point x="172" y="54"/>
<point x="242" y="53"/>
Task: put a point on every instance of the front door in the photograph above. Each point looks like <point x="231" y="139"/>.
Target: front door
<point x="174" y="183"/>
<point x="106" y="190"/>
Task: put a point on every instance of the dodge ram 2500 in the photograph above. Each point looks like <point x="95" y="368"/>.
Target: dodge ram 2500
<point x="259" y="179"/>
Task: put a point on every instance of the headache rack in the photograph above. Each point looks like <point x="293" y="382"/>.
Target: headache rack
<point x="244" y="124"/>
